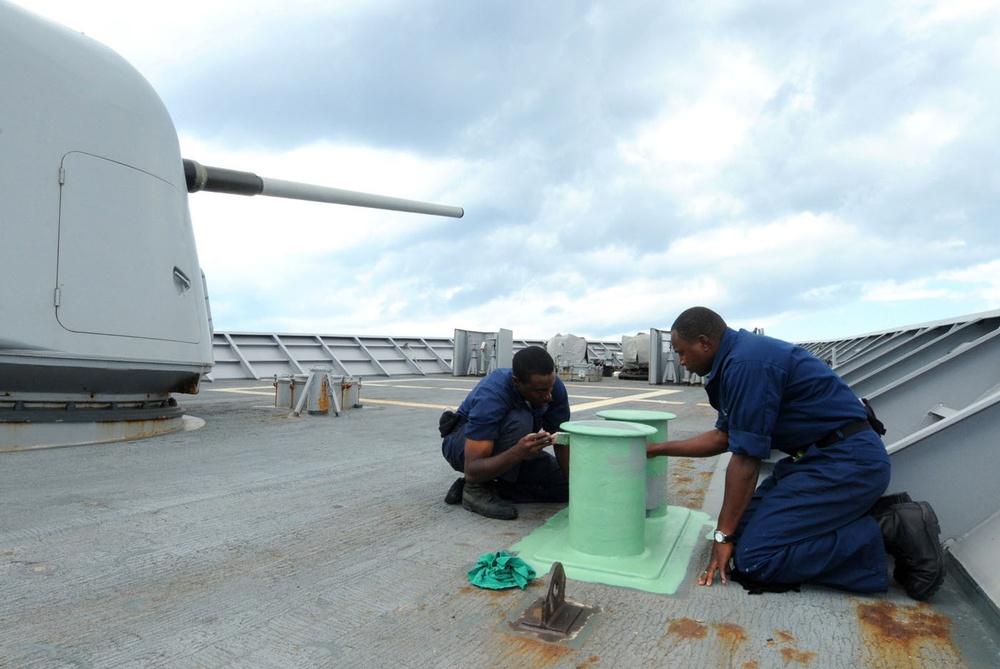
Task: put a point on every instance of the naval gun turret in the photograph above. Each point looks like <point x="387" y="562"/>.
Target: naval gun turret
<point x="103" y="306"/>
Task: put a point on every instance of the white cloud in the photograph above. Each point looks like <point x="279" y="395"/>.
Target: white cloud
<point x="892" y="291"/>
<point x="707" y="129"/>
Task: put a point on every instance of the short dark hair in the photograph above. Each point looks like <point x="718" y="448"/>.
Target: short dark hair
<point x="698" y="321"/>
<point x="531" y="361"/>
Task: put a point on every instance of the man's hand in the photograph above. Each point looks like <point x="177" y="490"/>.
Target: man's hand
<point x="530" y="445"/>
<point x="482" y="465"/>
<point x="722" y="554"/>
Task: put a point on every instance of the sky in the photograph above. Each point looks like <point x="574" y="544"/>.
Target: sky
<point x="818" y="170"/>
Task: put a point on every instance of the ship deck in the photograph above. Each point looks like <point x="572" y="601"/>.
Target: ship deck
<point x="263" y="540"/>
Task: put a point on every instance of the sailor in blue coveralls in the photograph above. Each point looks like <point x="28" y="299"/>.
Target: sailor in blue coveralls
<point x="811" y="520"/>
<point x="497" y="435"/>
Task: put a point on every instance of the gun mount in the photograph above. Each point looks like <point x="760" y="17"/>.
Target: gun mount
<point x="104" y="311"/>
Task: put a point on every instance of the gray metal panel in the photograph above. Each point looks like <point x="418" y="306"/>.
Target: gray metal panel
<point x="609" y="352"/>
<point x="977" y="554"/>
<point x="841" y="351"/>
<point x="664" y="364"/>
<point x="468" y="350"/>
<point x="505" y="348"/>
<point x="264" y="355"/>
<point x="954" y="381"/>
<point x="461" y="353"/>
<point x="229" y="361"/>
<point x="880" y="350"/>
<point x="304" y="352"/>
<point x="858" y="348"/>
<point x="923" y="352"/>
<point x="431" y="356"/>
<point x="353" y="356"/>
<point x="131" y="274"/>
<point x="953" y="464"/>
<point x="389" y="357"/>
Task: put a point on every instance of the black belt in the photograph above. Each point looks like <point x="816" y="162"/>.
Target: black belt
<point x="845" y="431"/>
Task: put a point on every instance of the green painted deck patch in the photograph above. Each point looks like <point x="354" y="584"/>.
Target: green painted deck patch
<point x="670" y="542"/>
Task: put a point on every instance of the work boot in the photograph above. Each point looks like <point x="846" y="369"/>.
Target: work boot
<point x="911" y="534"/>
<point x="482" y="498"/>
<point x="886" y="501"/>
<point x="454" y="495"/>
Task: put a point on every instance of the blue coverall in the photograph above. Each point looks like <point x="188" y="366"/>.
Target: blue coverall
<point x="495" y="411"/>
<point x="808" y="521"/>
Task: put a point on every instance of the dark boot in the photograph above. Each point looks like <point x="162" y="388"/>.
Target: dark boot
<point x="482" y="498"/>
<point x="883" y="503"/>
<point x="911" y="534"/>
<point x="454" y="495"/>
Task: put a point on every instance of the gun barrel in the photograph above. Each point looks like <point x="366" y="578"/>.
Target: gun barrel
<point x="220" y="180"/>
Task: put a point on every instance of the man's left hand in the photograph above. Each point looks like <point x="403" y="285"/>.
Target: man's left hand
<point x="722" y="554"/>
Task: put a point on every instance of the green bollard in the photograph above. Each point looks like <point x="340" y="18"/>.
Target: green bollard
<point x="607" y="487"/>
<point x="656" y="468"/>
<point x="605" y="534"/>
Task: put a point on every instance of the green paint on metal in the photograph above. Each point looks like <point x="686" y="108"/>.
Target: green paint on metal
<point x="607" y="502"/>
<point x="604" y="535"/>
<point x="657" y="419"/>
<point x="602" y="428"/>
<point x="670" y="541"/>
<point x="656" y="468"/>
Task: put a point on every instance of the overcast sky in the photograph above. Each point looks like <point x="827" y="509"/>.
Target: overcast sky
<point x="815" y="169"/>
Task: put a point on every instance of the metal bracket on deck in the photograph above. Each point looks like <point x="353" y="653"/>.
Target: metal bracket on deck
<point x="553" y="617"/>
<point x="318" y="392"/>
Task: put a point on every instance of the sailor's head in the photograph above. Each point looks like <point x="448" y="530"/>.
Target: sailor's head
<point x="695" y="336"/>
<point x="534" y="375"/>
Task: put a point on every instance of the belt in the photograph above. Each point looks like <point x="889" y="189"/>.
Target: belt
<point x="842" y="432"/>
<point x="845" y="431"/>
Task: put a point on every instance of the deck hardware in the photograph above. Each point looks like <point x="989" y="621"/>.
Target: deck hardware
<point x="553" y="617"/>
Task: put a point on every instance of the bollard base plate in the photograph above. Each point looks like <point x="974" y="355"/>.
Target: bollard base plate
<point x="670" y="541"/>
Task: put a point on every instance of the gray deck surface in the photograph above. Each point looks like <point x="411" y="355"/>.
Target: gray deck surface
<point x="262" y="540"/>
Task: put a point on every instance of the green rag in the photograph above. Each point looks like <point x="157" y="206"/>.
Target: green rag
<point x="500" y="570"/>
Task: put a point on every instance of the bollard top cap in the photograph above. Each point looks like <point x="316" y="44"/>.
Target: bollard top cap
<point x="605" y="428"/>
<point x="638" y="415"/>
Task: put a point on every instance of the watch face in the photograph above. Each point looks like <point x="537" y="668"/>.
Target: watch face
<point x="720" y="537"/>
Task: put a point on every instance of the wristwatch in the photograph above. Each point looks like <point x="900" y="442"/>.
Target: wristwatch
<point x="723" y="538"/>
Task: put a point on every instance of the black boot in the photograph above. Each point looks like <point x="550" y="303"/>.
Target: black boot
<point x="482" y="498"/>
<point x="883" y="503"/>
<point x="911" y="534"/>
<point x="454" y="495"/>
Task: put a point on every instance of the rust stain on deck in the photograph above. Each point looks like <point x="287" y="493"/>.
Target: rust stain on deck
<point x="731" y="637"/>
<point x="905" y="637"/>
<point x="790" y="654"/>
<point x="686" y="628"/>
<point x="528" y="652"/>
<point x="794" y="655"/>
<point x="688" y="483"/>
<point x="730" y="633"/>
<point x="784" y="637"/>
